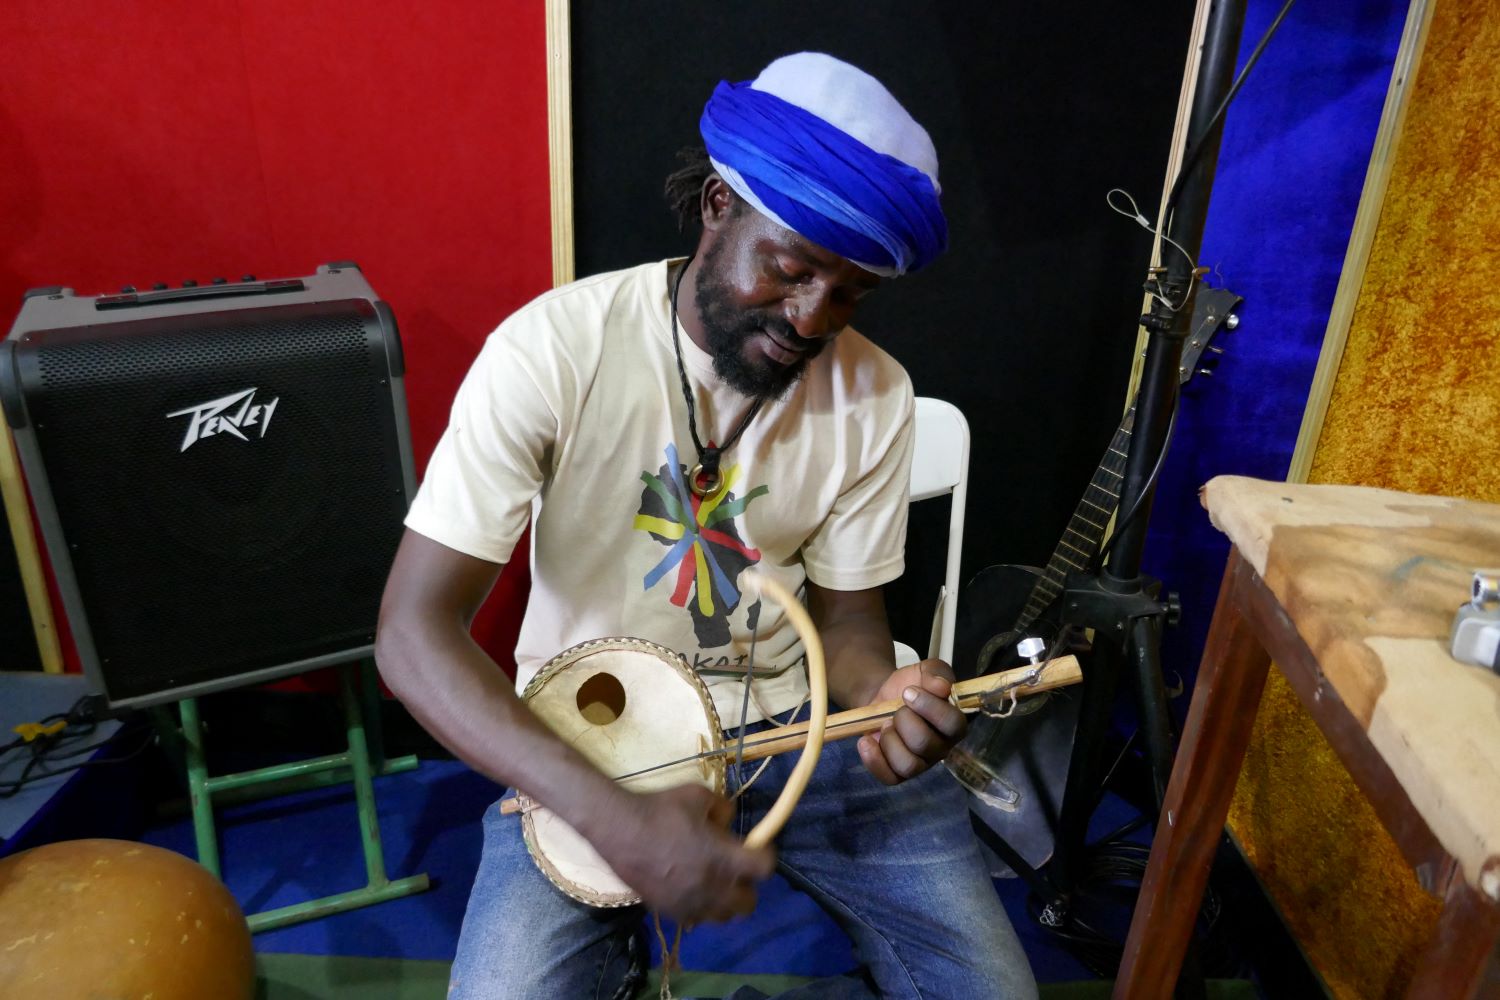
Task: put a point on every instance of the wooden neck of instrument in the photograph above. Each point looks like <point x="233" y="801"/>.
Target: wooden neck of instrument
<point x="857" y="721"/>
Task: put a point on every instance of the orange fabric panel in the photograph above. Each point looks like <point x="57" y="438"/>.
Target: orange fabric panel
<point x="1415" y="407"/>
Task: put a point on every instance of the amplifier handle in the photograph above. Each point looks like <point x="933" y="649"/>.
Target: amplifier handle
<point x="130" y="300"/>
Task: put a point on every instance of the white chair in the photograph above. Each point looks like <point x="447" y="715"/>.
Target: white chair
<point x="940" y="465"/>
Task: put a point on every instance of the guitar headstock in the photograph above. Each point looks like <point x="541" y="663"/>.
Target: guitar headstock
<point x="1213" y="310"/>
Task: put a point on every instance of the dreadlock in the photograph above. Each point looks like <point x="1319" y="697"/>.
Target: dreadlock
<point x="684" y="188"/>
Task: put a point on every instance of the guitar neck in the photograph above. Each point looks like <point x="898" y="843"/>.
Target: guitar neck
<point x="1212" y="309"/>
<point x="1081" y="538"/>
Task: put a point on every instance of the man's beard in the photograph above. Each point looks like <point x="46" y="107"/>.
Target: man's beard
<point x="727" y="328"/>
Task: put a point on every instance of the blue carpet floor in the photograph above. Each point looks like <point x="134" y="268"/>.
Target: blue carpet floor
<point x="294" y="848"/>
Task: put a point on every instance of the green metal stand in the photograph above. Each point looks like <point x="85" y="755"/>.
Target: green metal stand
<point x="357" y="765"/>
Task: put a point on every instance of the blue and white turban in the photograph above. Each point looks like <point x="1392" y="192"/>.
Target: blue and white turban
<point x="823" y="149"/>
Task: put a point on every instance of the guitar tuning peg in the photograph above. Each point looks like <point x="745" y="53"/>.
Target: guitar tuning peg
<point x="1216" y="350"/>
<point x="1205" y="371"/>
<point x="1231" y="321"/>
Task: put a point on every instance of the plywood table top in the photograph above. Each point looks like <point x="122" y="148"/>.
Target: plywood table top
<point x="1371" y="579"/>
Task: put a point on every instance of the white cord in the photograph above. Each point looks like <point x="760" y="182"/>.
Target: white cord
<point x="1144" y="223"/>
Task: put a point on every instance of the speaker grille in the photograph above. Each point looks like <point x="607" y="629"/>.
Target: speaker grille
<point x="201" y="553"/>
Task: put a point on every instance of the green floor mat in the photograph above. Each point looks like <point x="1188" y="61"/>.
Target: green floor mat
<point x="336" y="977"/>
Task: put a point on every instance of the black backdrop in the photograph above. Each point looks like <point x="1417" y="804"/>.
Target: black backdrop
<point x="1028" y="323"/>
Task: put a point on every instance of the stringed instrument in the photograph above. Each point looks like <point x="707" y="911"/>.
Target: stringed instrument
<point x="640" y="713"/>
<point x="1017" y="767"/>
<point x="1006" y="603"/>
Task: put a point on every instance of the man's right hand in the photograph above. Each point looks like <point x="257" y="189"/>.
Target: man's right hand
<point x="674" y="848"/>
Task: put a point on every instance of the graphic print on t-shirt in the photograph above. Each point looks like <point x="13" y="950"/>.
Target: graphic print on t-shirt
<point x="704" y="546"/>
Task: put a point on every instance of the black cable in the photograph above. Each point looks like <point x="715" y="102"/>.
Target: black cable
<point x="1195" y="150"/>
<point x="1112" y="874"/>
<point x="1135" y="507"/>
<point x="1196" y="147"/>
<point x="72" y="715"/>
<point x="11" y="788"/>
<point x="48" y="749"/>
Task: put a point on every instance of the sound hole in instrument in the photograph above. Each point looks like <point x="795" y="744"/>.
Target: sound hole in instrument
<point x="601" y="699"/>
<point x="625" y="704"/>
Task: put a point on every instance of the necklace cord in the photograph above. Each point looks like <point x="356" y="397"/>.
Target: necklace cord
<point x="708" y="458"/>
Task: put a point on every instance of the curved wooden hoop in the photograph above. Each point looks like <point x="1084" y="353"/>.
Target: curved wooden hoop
<point x="817" y="681"/>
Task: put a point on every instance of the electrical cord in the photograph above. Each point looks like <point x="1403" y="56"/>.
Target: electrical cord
<point x="1134" y="214"/>
<point x="1214" y="121"/>
<point x="1113" y="871"/>
<point x="1194" y="152"/>
<point x="49" y="748"/>
<point x="1135" y="507"/>
<point x="1189" y="162"/>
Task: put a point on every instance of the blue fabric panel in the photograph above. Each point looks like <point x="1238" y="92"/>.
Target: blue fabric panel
<point x="1297" y="141"/>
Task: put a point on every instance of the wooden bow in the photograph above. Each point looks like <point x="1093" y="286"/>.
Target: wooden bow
<point x="817" y="683"/>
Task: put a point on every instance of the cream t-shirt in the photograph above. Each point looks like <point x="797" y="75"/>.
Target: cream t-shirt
<point x="575" y="402"/>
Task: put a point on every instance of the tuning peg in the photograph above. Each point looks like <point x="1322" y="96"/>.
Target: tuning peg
<point x="1031" y="648"/>
<point x="1205" y="371"/>
<point x="1216" y="350"/>
<point x="1231" y="321"/>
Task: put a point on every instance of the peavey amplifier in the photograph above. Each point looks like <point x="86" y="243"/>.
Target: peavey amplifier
<point x="220" y="474"/>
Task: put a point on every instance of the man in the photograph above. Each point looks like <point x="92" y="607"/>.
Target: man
<point x="680" y="422"/>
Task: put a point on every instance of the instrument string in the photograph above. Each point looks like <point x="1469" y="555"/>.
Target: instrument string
<point x="744" y="786"/>
<point x="752" y="619"/>
<point x="984" y="700"/>
<point x="987" y="699"/>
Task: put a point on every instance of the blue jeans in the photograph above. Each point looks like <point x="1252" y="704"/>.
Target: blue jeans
<point x="897" y="867"/>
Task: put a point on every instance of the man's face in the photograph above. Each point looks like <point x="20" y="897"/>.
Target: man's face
<point x="770" y="301"/>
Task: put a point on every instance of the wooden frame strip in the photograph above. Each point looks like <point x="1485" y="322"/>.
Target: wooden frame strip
<point x="28" y="558"/>
<point x="1174" y="161"/>
<point x="560" y="138"/>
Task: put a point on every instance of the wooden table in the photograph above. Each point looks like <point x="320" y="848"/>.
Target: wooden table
<point x="1351" y="592"/>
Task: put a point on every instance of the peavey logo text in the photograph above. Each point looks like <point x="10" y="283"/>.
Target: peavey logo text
<point x="208" y="419"/>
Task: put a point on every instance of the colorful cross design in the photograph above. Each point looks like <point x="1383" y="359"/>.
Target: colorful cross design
<point x="703" y="543"/>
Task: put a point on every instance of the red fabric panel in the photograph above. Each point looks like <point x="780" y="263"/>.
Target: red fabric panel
<point x="173" y="140"/>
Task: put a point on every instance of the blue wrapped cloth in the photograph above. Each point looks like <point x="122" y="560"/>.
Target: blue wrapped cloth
<point x="816" y="178"/>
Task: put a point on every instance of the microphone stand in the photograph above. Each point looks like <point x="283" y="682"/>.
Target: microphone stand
<point x="1123" y="607"/>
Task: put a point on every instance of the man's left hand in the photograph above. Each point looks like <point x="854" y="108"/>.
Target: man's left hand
<point x="922" y="731"/>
